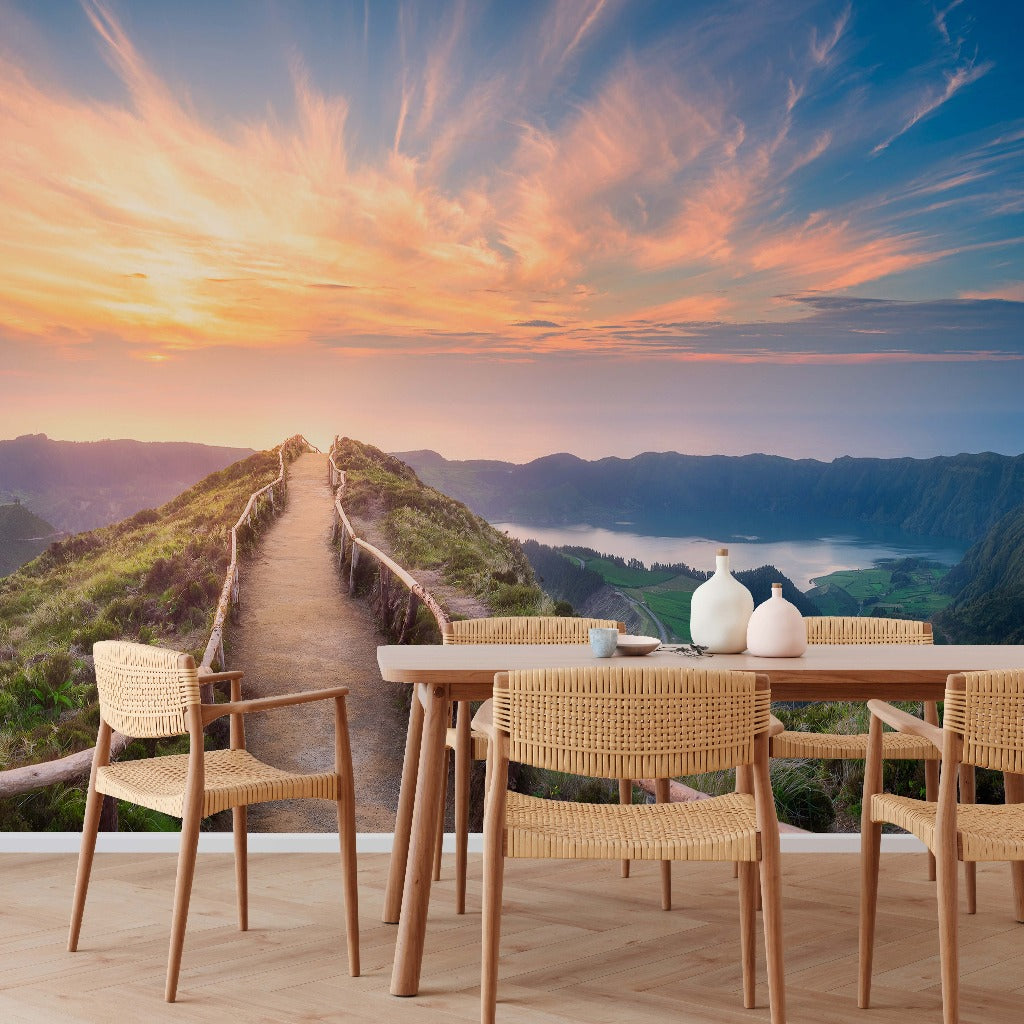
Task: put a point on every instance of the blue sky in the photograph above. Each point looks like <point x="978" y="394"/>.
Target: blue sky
<point x="503" y="230"/>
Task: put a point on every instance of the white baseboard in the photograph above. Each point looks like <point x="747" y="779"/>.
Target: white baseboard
<point x="367" y="842"/>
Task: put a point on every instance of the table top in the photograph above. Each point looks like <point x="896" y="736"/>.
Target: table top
<point x="824" y="672"/>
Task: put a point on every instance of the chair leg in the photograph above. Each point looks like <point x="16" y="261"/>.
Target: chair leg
<point x="442" y="807"/>
<point x="494" y="876"/>
<point x="745" y="784"/>
<point x="463" y="769"/>
<point x="870" y="847"/>
<point x="347" y="840"/>
<point x="625" y="797"/>
<point x="347" y="830"/>
<point x="930" y="713"/>
<point x="748" y="914"/>
<point x="968" y="796"/>
<point x="946" y="886"/>
<point x="771" y="892"/>
<point x="90" y="826"/>
<point x="239" y="825"/>
<point x="661" y="795"/>
<point x="931" y="793"/>
<point x="1013" y="785"/>
<point x="182" y="892"/>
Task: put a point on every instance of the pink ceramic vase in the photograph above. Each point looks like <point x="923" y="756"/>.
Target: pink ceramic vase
<point x="776" y="629"/>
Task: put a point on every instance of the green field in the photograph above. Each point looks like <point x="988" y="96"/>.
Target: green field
<point x="673" y="608"/>
<point x="627" y="577"/>
<point x="901" y="588"/>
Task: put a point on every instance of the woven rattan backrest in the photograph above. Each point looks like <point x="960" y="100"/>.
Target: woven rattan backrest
<point x="987" y="710"/>
<point x="848" y="629"/>
<point x="524" y="629"/>
<point x="633" y="722"/>
<point x="144" y="691"/>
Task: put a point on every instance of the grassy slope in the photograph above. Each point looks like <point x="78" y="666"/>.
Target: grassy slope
<point x="987" y="588"/>
<point x="153" y="578"/>
<point x="426" y="529"/>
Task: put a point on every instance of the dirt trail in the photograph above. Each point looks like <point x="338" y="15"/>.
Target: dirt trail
<point x="298" y="630"/>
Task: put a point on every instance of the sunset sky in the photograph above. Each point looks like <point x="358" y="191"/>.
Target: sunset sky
<point x="503" y="230"/>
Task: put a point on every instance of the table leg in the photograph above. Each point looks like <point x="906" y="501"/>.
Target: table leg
<point x="412" y="925"/>
<point x="403" y="815"/>
<point x="463" y="768"/>
<point x="1014" y="787"/>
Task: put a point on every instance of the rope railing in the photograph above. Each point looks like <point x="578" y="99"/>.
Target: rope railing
<point x="15" y="781"/>
<point x="389" y="571"/>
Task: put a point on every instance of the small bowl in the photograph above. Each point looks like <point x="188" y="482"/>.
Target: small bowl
<point x="637" y="645"/>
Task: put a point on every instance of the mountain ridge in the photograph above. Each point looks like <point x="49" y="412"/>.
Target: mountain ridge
<point x="957" y="497"/>
<point x="83" y="485"/>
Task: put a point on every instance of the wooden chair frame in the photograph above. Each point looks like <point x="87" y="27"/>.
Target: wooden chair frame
<point x="768" y="856"/>
<point x="840" y="629"/>
<point x="196" y="717"/>
<point x="944" y="834"/>
<point x="466" y="745"/>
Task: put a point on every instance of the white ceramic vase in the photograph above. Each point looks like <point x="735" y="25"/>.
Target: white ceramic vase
<point x="720" y="609"/>
<point x="776" y="629"/>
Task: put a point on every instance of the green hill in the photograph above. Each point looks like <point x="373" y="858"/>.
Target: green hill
<point x="154" y="578"/>
<point x="23" y="535"/>
<point x="425" y="529"/>
<point x="987" y="588"/>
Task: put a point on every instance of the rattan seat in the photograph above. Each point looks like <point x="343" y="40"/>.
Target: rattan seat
<point x="983" y="726"/>
<point x="983" y="831"/>
<point x="895" y="746"/>
<point x="504" y="629"/>
<point x="233" y="778"/>
<point x="621" y="721"/>
<point x="151" y="692"/>
<point x="721" y="828"/>
<point x="843" y="629"/>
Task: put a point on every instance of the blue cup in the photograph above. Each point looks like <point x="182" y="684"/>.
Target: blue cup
<point x="603" y="640"/>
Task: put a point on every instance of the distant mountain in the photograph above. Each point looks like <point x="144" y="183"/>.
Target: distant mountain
<point x="81" y="485"/>
<point x="988" y="588"/>
<point x="23" y="535"/>
<point x="958" y="496"/>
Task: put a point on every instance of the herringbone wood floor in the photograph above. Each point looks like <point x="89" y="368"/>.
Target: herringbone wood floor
<point x="579" y="944"/>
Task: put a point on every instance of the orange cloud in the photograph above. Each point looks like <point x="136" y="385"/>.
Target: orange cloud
<point x="826" y="256"/>
<point x="139" y="219"/>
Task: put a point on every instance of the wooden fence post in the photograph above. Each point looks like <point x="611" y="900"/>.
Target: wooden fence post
<point x="410" y="616"/>
<point x="352" y="570"/>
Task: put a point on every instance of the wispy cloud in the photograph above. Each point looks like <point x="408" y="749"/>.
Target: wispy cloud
<point x="935" y="98"/>
<point x="518" y="204"/>
<point x="822" y="49"/>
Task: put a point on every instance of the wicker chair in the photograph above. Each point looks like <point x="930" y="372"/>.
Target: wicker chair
<point x="153" y="692"/>
<point x="829" y="629"/>
<point x="469" y="745"/>
<point x="635" y="722"/>
<point x="984" y="726"/>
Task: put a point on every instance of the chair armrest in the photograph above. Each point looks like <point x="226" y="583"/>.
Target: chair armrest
<point x="774" y="726"/>
<point x="211" y="712"/>
<point x="902" y="722"/>
<point x="219" y="677"/>
<point x="483" y="720"/>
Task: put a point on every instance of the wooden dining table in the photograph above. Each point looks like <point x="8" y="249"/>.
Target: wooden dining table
<point x="446" y="673"/>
